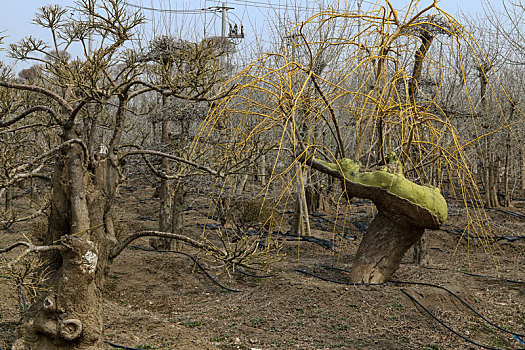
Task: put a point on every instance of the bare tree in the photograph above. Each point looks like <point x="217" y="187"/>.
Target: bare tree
<point x="81" y="241"/>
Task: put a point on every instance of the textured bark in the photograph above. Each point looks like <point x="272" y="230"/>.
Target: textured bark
<point x="301" y="221"/>
<point x="241" y="184"/>
<point x="421" y="256"/>
<point x="177" y="208"/>
<point x="493" y="182"/>
<point x="507" y="194"/>
<point x="8" y="200"/>
<point x="383" y="246"/>
<point x="68" y="315"/>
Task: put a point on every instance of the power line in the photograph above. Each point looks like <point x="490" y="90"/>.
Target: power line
<point x="187" y="11"/>
<point x="270" y="5"/>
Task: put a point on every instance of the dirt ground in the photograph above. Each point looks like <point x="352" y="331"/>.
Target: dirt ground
<point x="163" y="301"/>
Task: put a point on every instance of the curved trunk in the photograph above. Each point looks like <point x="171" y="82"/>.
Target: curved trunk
<point x="68" y="313"/>
<point x="383" y="246"/>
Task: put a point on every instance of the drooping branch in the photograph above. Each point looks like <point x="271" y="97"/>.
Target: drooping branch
<point x="194" y="243"/>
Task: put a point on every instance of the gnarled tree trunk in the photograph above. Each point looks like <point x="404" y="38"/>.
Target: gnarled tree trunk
<point x="69" y="315"/>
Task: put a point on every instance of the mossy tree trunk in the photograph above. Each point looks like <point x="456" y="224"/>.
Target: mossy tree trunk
<point x="405" y="210"/>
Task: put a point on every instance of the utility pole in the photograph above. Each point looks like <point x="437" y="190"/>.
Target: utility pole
<point x="234" y="32"/>
<point x="90" y="35"/>
<point x="223" y="9"/>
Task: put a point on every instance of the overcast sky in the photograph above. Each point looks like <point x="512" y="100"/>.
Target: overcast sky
<point x="256" y="15"/>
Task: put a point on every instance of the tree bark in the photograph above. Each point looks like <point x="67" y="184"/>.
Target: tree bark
<point x="421" y="256"/>
<point x="301" y="221"/>
<point x="177" y="207"/>
<point x="493" y="181"/>
<point x="384" y="244"/>
<point x="508" y="202"/>
<point x="241" y="184"/>
<point x="523" y="168"/>
<point x="8" y="200"/>
<point x="68" y="315"/>
<point x="164" y="195"/>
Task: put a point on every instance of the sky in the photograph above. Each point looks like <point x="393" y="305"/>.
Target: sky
<point x="255" y="15"/>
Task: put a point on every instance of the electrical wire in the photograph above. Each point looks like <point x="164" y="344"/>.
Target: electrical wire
<point x="516" y="335"/>
<point x="447" y="326"/>
<point x="462" y="301"/>
<point x="270" y="5"/>
<point x="188" y="11"/>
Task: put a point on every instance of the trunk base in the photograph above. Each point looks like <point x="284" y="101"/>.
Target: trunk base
<point x="384" y="244"/>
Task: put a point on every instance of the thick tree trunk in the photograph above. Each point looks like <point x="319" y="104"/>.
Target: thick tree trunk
<point x="384" y="244"/>
<point x="68" y="314"/>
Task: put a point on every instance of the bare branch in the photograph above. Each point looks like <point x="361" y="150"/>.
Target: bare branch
<point x="179" y="159"/>
<point x="13" y="246"/>
<point x="194" y="243"/>
<point x="28" y="112"/>
<point x="40" y="90"/>
<point x="25" y="166"/>
<point x="30" y="249"/>
<point x="25" y="218"/>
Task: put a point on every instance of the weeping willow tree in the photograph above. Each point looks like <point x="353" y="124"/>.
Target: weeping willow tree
<point x="355" y="96"/>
